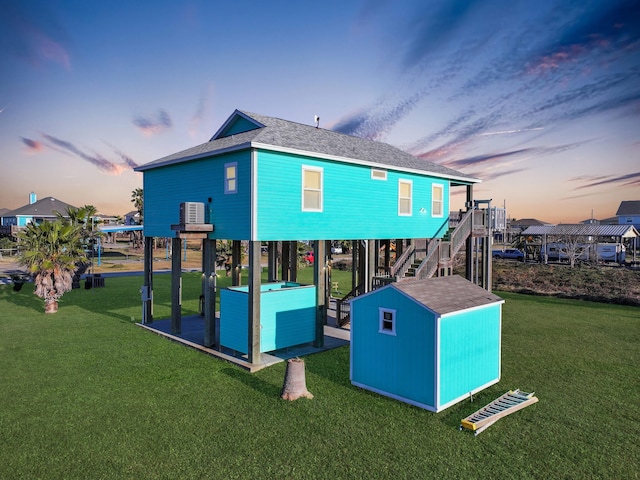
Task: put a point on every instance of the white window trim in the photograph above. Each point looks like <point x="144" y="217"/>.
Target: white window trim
<point x="410" y="182"/>
<point x="381" y="312"/>
<point x="435" y="187"/>
<point x="382" y="177"/>
<point x="308" y="168"/>
<point x="227" y="190"/>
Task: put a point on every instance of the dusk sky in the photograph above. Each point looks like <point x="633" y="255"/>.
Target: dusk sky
<point x="540" y="100"/>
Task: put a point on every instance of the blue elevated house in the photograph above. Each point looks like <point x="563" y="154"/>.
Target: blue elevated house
<point x="267" y="180"/>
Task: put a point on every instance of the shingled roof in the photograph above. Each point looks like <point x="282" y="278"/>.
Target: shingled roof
<point x="629" y="208"/>
<point x="270" y="133"/>
<point x="47" y="207"/>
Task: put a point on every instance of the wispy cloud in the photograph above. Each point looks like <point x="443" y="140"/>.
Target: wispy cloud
<point x="33" y="146"/>
<point x="378" y="120"/>
<point x="202" y="111"/>
<point x="629" y="179"/>
<point x="36" y="39"/>
<point x="105" y="165"/>
<point x="154" y="123"/>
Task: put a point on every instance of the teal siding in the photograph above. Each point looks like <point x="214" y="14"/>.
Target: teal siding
<point x="197" y="181"/>
<point x="353" y="203"/>
<point x="423" y="365"/>
<point x="402" y="365"/>
<point x="287" y="316"/>
<point x="469" y="351"/>
<point x="234" y="323"/>
<point x="239" y="125"/>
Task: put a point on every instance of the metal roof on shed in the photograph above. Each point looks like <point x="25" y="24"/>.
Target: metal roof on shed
<point x="627" y="231"/>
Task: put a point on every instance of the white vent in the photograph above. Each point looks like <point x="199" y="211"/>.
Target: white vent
<point x="191" y="212"/>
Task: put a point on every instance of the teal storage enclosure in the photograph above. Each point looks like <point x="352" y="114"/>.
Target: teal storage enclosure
<point x="430" y="343"/>
<point x="287" y="316"/>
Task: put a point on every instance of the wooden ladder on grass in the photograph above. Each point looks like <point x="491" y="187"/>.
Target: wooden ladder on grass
<point x="510" y="402"/>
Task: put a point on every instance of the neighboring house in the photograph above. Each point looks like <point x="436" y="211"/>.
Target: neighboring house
<point x="430" y="343"/>
<point x="629" y="214"/>
<point x="132" y="218"/>
<point x="264" y="179"/>
<point x="35" y="212"/>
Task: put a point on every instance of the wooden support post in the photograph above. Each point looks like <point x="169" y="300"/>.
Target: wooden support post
<point x="387" y="256"/>
<point x="293" y="262"/>
<point x="211" y="330"/>
<point x="147" y="288"/>
<point x="469" y="273"/>
<point x="362" y="266"/>
<point x="286" y="259"/>
<point x="399" y="247"/>
<point x="272" y="261"/>
<point x="319" y="278"/>
<point x="236" y="263"/>
<point x="254" y="303"/>
<point x="372" y="263"/>
<point x="176" y="286"/>
<point x="354" y="263"/>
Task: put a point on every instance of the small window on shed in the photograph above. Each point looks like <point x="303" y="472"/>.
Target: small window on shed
<point x="231" y="177"/>
<point x="387" y="321"/>
<point x="377" y="174"/>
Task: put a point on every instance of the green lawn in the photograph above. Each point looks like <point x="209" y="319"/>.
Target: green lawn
<point x="86" y="394"/>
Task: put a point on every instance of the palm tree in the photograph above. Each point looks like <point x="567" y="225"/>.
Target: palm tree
<point x="137" y="197"/>
<point x="51" y="252"/>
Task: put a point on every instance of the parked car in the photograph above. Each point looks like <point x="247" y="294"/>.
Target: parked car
<point x="511" y="253"/>
<point x="336" y="249"/>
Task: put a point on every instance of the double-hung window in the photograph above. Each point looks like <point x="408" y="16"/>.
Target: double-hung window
<point x="387" y="319"/>
<point x="311" y="189"/>
<point x="231" y="177"/>
<point x="437" y="200"/>
<point x="405" y="188"/>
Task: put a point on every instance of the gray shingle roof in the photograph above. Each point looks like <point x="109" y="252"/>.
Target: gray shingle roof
<point x="42" y="208"/>
<point x="283" y="135"/>
<point x="629" y="207"/>
<point x="449" y="294"/>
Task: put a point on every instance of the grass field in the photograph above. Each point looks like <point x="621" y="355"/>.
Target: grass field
<point x="86" y="394"/>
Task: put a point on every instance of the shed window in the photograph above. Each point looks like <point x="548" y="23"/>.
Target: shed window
<point x="404" y="197"/>
<point x="231" y="177"/>
<point x="311" y="189"/>
<point x="387" y="321"/>
<point x="437" y="200"/>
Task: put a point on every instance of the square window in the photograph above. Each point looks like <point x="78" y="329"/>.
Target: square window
<point x="387" y="324"/>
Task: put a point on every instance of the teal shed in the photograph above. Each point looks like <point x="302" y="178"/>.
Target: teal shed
<point x="429" y="343"/>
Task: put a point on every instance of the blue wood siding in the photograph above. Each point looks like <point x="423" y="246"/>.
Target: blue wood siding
<point x="234" y="323"/>
<point x="355" y="206"/>
<point x="239" y="125"/>
<point x="287" y="316"/>
<point x="197" y="181"/>
<point x="402" y="365"/>
<point x="469" y="351"/>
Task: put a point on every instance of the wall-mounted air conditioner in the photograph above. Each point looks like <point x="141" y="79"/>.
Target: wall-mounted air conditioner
<point x="191" y="212"/>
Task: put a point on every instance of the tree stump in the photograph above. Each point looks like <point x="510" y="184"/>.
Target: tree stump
<point x="295" y="384"/>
